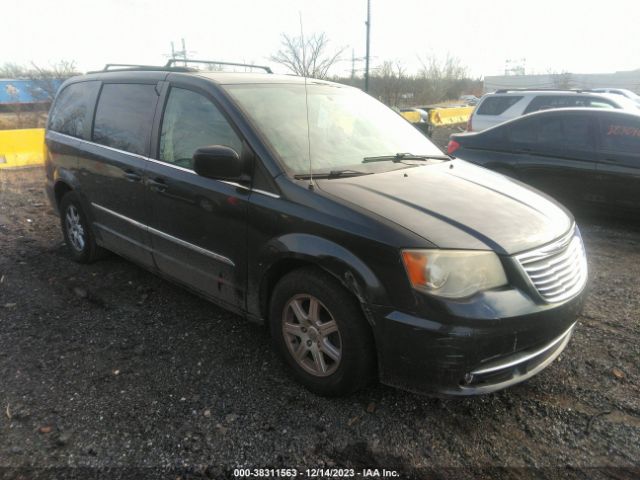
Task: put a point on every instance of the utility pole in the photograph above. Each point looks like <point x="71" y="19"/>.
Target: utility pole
<point x="179" y="53"/>
<point x="353" y="64"/>
<point x="366" y="71"/>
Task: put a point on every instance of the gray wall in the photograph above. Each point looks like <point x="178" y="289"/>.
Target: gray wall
<point x="629" y="80"/>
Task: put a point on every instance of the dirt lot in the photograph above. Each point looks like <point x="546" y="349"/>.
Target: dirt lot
<point x="107" y="370"/>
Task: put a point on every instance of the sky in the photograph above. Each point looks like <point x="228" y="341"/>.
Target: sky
<point x="545" y="36"/>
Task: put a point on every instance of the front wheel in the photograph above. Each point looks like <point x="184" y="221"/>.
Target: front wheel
<point x="319" y="329"/>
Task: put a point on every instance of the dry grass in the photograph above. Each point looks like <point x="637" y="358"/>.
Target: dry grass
<point x="15" y="120"/>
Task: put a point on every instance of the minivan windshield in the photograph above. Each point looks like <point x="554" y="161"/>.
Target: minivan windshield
<point x="345" y="126"/>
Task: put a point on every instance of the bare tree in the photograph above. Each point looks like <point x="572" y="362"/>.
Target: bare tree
<point x="42" y="85"/>
<point x="11" y="70"/>
<point x="562" y="80"/>
<point x="443" y="79"/>
<point x="389" y="81"/>
<point x="310" y="58"/>
<point x="46" y="81"/>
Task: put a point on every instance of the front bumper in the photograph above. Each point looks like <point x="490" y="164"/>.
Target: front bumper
<point x="506" y="371"/>
<point x="491" y="342"/>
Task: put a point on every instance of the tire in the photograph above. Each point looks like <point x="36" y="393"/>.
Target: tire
<point x="78" y="236"/>
<point x="346" y="346"/>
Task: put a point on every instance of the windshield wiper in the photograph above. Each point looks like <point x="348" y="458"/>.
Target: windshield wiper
<point x="399" y="157"/>
<point x="332" y="174"/>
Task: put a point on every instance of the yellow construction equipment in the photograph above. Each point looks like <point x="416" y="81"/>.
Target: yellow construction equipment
<point x="21" y="148"/>
<point x="411" y="116"/>
<point x="449" y="116"/>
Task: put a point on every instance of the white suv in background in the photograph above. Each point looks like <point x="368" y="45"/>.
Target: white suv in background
<point x="502" y="105"/>
<point x="619" y="91"/>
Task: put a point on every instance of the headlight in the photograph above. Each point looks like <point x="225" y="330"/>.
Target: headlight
<point x="453" y="273"/>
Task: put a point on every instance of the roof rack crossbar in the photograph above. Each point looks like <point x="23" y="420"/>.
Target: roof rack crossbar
<point x="534" y="89"/>
<point x="214" y="62"/>
<point x="126" y="65"/>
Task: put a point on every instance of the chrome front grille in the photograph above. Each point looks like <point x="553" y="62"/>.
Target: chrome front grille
<point x="558" y="270"/>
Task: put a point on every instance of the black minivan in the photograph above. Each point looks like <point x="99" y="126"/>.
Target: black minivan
<point x="312" y="207"/>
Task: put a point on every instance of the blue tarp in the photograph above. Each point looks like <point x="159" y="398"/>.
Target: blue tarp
<point x="24" y="91"/>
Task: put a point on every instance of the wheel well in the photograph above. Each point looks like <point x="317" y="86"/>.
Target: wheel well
<point x="273" y="276"/>
<point x="60" y="189"/>
<point x="284" y="267"/>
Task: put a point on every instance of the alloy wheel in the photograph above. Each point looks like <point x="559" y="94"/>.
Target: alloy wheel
<point x="312" y="335"/>
<point x="75" y="230"/>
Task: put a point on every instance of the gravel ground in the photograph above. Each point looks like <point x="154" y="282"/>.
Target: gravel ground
<point x="108" y="371"/>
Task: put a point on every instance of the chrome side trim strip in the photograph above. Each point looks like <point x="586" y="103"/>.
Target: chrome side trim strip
<point x="213" y="277"/>
<point x="120" y="216"/>
<point x="235" y="184"/>
<point x="87" y="142"/>
<point x="264" y="192"/>
<point x="524" y="358"/>
<point x="166" y="236"/>
<point x="193" y="247"/>
<point x="123" y="237"/>
<point x="167" y="164"/>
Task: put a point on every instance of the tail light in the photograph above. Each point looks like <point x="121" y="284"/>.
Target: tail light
<point x="452" y="146"/>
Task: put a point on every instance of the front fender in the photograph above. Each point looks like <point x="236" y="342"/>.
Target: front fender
<point x="305" y="249"/>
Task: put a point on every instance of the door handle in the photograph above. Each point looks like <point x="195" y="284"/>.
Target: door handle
<point x="157" y="185"/>
<point x="132" y="176"/>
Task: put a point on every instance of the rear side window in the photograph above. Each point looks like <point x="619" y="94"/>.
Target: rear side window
<point x="620" y="135"/>
<point x="525" y="131"/>
<point x="124" y="115"/>
<point x="546" y="102"/>
<point x="71" y="113"/>
<point x="578" y="132"/>
<point x="571" y="132"/>
<point x="497" y="105"/>
<point x="551" y="132"/>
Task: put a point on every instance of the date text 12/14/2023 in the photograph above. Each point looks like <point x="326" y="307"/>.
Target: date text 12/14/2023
<point x="314" y="473"/>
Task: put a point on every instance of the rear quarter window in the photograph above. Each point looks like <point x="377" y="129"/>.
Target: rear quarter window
<point x="597" y="103"/>
<point x="497" y="105"/>
<point x="124" y="116"/>
<point x="72" y="110"/>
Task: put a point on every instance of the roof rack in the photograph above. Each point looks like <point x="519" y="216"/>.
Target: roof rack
<point x="130" y="66"/>
<point x="214" y="62"/>
<point x="170" y="66"/>
<point x="507" y="90"/>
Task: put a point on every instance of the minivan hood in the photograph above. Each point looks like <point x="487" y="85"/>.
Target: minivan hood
<point x="458" y="205"/>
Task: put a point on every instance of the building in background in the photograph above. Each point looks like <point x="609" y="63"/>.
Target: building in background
<point x="629" y="80"/>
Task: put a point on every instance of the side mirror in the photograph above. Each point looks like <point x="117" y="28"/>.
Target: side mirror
<point x="219" y="162"/>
